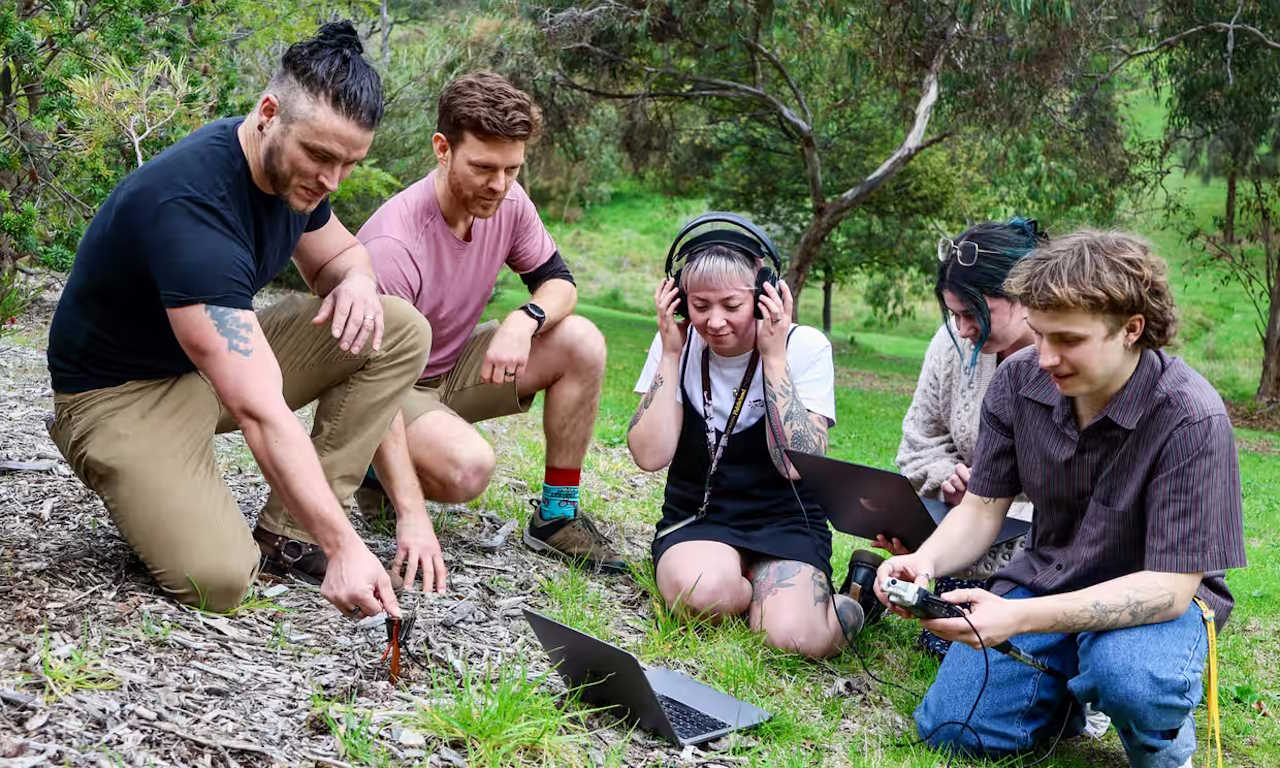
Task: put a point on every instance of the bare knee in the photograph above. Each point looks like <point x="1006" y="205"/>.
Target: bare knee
<point x="708" y="593"/>
<point x="458" y="477"/>
<point x="583" y="344"/>
<point x="806" y="636"/>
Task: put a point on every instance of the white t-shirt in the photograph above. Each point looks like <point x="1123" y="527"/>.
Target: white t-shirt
<point x="808" y="357"/>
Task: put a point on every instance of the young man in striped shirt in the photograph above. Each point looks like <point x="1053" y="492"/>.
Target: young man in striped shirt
<point x="1129" y="458"/>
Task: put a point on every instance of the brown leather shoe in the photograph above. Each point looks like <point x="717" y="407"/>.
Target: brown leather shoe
<point x="576" y="539"/>
<point x="284" y="556"/>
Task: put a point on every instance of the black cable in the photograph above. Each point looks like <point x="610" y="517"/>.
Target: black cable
<point x="780" y="442"/>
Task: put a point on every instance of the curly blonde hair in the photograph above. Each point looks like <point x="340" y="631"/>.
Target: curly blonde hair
<point x="1115" y="274"/>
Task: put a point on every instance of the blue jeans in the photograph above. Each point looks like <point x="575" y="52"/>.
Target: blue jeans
<point x="1147" y="678"/>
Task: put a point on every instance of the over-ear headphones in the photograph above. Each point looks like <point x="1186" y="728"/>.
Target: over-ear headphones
<point x="747" y="239"/>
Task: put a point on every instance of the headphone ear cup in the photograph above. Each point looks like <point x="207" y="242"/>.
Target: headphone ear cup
<point x="766" y="275"/>
<point x="680" y="310"/>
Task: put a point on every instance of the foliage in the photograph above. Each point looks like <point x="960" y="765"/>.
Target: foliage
<point x="361" y="193"/>
<point x="1223" y="95"/>
<point x="806" y="111"/>
<point x="16" y="294"/>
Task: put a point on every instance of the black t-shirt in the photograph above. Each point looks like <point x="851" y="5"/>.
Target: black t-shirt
<point x="188" y="227"/>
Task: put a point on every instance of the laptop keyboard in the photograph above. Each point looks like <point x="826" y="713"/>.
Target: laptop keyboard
<point x="688" y="722"/>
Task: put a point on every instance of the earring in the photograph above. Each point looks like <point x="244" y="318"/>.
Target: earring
<point x="259" y="127"/>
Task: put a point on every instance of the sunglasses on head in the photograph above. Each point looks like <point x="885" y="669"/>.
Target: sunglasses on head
<point x="965" y="251"/>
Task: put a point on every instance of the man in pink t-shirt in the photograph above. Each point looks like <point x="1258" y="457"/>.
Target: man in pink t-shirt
<point x="440" y="245"/>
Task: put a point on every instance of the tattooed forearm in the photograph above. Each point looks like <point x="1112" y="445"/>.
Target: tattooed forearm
<point x="233" y="326"/>
<point x="646" y="401"/>
<point x="1134" y="607"/>
<point x="801" y="430"/>
<point x="770" y="576"/>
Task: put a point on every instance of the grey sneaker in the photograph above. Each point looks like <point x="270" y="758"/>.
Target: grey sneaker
<point x="575" y="539"/>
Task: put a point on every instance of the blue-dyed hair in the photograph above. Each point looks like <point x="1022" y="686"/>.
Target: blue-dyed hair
<point x="1001" y="245"/>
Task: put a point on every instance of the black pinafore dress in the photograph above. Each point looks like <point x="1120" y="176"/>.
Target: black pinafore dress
<point x="751" y="507"/>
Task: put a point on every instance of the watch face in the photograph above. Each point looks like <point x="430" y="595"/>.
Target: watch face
<point x="535" y="311"/>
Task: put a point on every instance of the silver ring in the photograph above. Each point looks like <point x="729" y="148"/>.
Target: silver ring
<point x="355" y="613"/>
<point x="368" y="318"/>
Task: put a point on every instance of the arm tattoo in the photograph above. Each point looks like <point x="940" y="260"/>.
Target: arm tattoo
<point x="233" y="327"/>
<point x="1130" y="609"/>
<point x="646" y="401"/>
<point x="769" y="577"/>
<point x="803" y="431"/>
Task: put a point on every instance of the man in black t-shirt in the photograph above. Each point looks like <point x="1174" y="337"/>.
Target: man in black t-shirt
<point x="155" y="344"/>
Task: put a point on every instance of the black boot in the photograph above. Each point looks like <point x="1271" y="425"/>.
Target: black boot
<point x="859" y="584"/>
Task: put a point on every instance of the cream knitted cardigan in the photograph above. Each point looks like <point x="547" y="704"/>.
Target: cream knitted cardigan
<point x="940" y="429"/>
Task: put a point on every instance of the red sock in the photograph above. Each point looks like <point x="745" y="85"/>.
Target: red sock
<point x="562" y="476"/>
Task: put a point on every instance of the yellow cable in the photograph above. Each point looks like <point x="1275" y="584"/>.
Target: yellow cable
<point x="1214" y="737"/>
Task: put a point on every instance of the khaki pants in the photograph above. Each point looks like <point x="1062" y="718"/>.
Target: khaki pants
<point x="146" y="447"/>
<point x="460" y="391"/>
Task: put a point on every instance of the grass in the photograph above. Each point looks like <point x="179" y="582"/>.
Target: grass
<point x="76" y="668"/>
<point x="876" y="367"/>
<point x="502" y="717"/>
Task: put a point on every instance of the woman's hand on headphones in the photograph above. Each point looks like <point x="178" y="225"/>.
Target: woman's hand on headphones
<point x="670" y="327"/>
<point x="771" y="329"/>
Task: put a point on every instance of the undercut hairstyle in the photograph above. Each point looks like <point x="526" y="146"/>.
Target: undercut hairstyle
<point x="1114" y="274"/>
<point x="488" y="106"/>
<point x="1000" y="246"/>
<point x="329" y="68"/>
<point x="719" y="266"/>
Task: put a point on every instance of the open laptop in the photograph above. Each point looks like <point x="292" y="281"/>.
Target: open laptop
<point x="664" y="701"/>
<point x="864" y="501"/>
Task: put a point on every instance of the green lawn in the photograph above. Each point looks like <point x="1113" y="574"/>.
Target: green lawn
<point x="871" y="728"/>
<point x="617" y="251"/>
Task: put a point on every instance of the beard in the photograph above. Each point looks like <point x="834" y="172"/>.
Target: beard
<point x="278" y="176"/>
<point x="472" y="203"/>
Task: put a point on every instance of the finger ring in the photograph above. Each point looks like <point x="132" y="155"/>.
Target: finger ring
<point x="368" y="318"/>
<point x="355" y="613"/>
<point x="777" y="320"/>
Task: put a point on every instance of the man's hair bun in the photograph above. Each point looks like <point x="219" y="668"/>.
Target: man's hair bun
<point x="339" y="35"/>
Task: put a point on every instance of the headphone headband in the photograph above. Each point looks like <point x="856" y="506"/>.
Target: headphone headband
<point x="754" y="241"/>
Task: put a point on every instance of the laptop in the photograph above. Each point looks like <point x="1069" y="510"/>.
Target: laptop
<point x="864" y="501"/>
<point x="666" y="702"/>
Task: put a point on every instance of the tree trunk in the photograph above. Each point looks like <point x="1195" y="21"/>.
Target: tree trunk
<point x="1269" y="385"/>
<point x="828" y="286"/>
<point x="1229" y="221"/>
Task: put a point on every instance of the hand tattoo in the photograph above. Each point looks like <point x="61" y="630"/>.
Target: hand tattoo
<point x="233" y="327"/>
<point x="646" y="401"/>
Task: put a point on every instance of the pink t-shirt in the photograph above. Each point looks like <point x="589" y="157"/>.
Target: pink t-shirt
<point x="418" y="258"/>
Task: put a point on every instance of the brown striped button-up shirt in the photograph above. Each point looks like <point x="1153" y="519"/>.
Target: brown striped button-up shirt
<point x="1152" y="483"/>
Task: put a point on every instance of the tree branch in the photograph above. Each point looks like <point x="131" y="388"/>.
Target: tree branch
<point x="913" y="143"/>
<point x="1219" y="26"/>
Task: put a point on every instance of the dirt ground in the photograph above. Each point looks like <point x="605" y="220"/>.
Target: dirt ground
<point x="97" y="667"/>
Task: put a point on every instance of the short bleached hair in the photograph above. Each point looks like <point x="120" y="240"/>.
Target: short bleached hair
<point x="719" y="267"/>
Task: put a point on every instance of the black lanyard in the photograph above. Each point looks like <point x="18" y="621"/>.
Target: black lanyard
<point x="716" y="445"/>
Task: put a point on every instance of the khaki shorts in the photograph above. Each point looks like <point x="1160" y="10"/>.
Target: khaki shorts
<point x="460" y="391"/>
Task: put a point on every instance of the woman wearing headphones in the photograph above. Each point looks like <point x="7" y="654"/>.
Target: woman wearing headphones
<point x="724" y="395"/>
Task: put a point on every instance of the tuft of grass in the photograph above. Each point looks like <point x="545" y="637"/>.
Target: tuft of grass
<point x="502" y="718"/>
<point x="353" y="731"/>
<point x="75" y="669"/>
<point x="577" y="601"/>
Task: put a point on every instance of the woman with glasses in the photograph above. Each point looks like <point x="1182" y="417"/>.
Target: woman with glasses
<point x="981" y="327"/>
